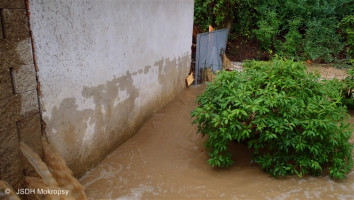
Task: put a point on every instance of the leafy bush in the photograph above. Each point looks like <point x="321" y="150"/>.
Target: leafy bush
<point x="300" y="29"/>
<point x="347" y="89"/>
<point x="212" y="12"/>
<point x="268" y="29"/>
<point x="347" y="26"/>
<point x="291" y="48"/>
<point x="308" y="25"/>
<point x="321" y="41"/>
<point x="294" y="123"/>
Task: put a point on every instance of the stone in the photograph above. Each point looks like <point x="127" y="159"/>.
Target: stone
<point x="12" y="4"/>
<point x="10" y="110"/>
<point x="5" y="83"/>
<point x="29" y="131"/>
<point x="24" y="78"/>
<point x="19" y="106"/>
<point x="10" y="156"/>
<point x="1" y="33"/>
<point x="15" y="23"/>
<point x="29" y="104"/>
<point x="23" y="49"/>
<point x="14" y="52"/>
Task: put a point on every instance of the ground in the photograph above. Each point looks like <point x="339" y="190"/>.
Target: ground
<point x="242" y="48"/>
<point x="245" y="49"/>
<point x="167" y="160"/>
<point x="327" y="71"/>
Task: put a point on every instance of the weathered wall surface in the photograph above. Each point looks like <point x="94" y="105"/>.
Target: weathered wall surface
<point x="104" y="66"/>
<point x="19" y="111"/>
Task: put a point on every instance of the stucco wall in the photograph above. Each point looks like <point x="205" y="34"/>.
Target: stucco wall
<point x="104" y="66"/>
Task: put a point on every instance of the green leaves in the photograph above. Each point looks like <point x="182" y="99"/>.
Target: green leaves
<point x="294" y="122"/>
<point x="212" y="12"/>
<point x="347" y="27"/>
<point x="321" y="40"/>
<point x="295" y="29"/>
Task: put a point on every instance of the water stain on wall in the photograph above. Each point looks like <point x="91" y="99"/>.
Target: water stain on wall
<point x="70" y="125"/>
<point x="172" y="72"/>
<point x="84" y="137"/>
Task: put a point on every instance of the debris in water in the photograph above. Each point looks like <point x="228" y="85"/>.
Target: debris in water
<point x="56" y="176"/>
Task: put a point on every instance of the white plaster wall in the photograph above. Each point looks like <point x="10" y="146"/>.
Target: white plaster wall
<point x="88" y="50"/>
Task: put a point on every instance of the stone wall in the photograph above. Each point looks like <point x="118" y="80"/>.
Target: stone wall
<point x="19" y="109"/>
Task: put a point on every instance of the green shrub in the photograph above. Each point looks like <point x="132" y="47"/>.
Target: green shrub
<point x="268" y="28"/>
<point x="212" y="12"/>
<point x="347" y="27"/>
<point x="291" y="48"/>
<point x="294" y="123"/>
<point x="321" y="41"/>
<point x="347" y="89"/>
<point x="299" y="29"/>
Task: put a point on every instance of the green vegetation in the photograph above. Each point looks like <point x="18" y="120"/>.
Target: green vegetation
<point x="294" y="122"/>
<point x="347" y="27"/>
<point x="347" y="89"/>
<point x="317" y="30"/>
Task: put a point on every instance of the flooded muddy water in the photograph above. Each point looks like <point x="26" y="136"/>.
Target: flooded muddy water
<point x="167" y="160"/>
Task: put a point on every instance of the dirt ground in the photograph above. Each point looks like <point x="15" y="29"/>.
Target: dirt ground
<point x="167" y="160"/>
<point x="242" y="49"/>
<point x="327" y="71"/>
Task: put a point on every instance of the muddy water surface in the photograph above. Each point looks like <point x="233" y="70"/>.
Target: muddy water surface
<point x="167" y="160"/>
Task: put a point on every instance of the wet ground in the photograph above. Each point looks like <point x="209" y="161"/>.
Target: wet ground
<point x="167" y="160"/>
<point x="328" y="71"/>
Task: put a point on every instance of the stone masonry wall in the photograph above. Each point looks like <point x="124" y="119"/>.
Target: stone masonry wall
<point x="19" y="109"/>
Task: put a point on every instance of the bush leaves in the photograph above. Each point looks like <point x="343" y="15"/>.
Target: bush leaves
<point x="295" y="123"/>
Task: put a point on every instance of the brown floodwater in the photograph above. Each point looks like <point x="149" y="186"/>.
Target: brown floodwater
<point x="167" y="160"/>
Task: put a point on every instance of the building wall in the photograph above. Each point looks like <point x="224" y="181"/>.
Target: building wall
<point x="104" y="67"/>
<point x="19" y="111"/>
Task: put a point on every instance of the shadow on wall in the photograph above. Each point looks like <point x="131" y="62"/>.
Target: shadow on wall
<point x="85" y="137"/>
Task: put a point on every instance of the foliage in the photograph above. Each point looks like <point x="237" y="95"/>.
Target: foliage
<point x="294" y="122"/>
<point x="347" y="89"/>
<point x="213" y="12"/>
<point x="268" y="29"/>
<point x="298" y="29"/>
<point x="291" y="48"/>
<point x="347" y="26"/>
<point x="321" y="41"/>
